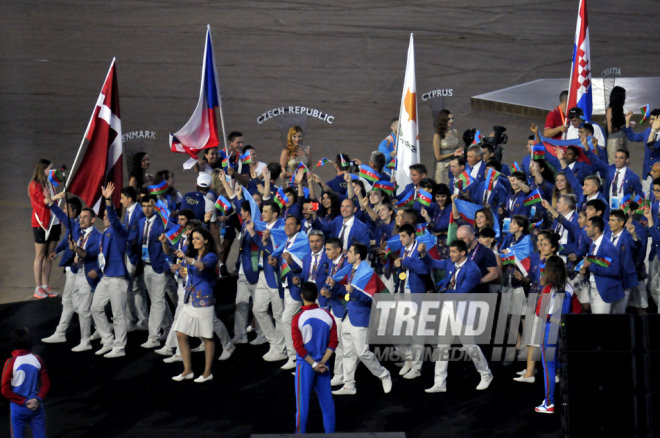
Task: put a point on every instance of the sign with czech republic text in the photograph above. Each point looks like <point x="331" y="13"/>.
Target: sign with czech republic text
<point x="301" y="110"/>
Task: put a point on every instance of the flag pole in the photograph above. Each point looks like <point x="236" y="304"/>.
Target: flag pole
<point x="66" y="184"/>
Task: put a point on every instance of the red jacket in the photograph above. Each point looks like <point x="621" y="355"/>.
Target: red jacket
<point x="33" y="381"/>
<point x="40" y="211"/>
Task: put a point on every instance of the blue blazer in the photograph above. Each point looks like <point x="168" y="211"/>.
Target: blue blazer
<point x="321" y="273"/>
<point x="63" y="247"/>
<point x="155" y="249"/>
<point x="337" y="291"/>
<point x="359" y="307"/>
<point x="133" y="245"/>
<point x="417" y="271"/>
<point x="114" y="246"/>
<point x="245" y="256"/>
<point x="573" y="228"/>
<point x="582" y="199"/>
<point x="651" y="150"/>
<point x="271" y="274"/>
<point x="440" y="219"/>
<point x="338" y="185"/>
<point x="654" y="232"/>
<point x="408" y="188"/>
<point x="481" y="175"/>
<point x="497" y="196"/>
<point x="468" y="278"/>
<point x="294" y="291"/>
<point x="518" y="206"/>
<point x="294" y="210"/>
<point x="631" y="185"/>
<point x="627" y="247"/>
<point x="608" y="280"/>
<point x="582" y="170"/>
<point x="359" y="232"/>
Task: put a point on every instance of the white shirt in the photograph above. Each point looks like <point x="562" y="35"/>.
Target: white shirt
<point x="85" y="235"/>
<point x="564" y="232"/>
<point x="147" y="227"/>
<point x="572" y="133"/>
<point x="130" y="211"/>
<point x="592" y="277"/>
<point x="615" y="237"/>
<point x="458" y="268"/>
<point x="619" y="185"/>
<point x="315" y="257"/>
<point x="475" y="170"/>
<point x="347" y="230"/>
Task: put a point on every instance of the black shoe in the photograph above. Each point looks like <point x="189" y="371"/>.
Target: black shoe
<point x="223" y="271"/>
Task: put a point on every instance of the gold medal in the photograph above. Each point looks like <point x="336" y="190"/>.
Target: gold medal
<point x="184" y="271"/>
<point x="347" y="297"/>
<point x="402" y="276"/>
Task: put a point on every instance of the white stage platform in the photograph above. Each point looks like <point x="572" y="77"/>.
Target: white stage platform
<point x="537" y="98"/>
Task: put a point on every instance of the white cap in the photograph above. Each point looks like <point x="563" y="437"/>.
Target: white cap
<point x="204" y="180"/>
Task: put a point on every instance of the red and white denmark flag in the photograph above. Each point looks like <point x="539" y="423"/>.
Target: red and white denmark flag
<point x="102" y="162"/>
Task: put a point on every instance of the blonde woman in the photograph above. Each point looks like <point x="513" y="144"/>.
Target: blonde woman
<point x="294" y="153"/>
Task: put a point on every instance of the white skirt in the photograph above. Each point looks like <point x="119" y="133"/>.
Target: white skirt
<point x="517" y="301"/>
<point x="195" y="321"/>
<point x="536" y="337"/>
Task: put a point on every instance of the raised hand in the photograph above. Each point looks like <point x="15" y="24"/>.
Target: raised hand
<point x="108" y="190"/>
<point x="421" y="248"/>
<point x="534" y="128"/>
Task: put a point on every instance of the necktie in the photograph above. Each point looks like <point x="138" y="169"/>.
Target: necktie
<point x="287" y="244"/>
<point x="614" y="239"/>
<point x="81" y="242"/>
<point x="312" y="277"/>
<point x="453" y="279"/>
<point x="592" y="249"/>
<point x="615" y="183"/>
<point x="147" y="228"/>
<point x="101" y="256"/>
<point x="485" y="200"/>
<point x="341" y="234"/>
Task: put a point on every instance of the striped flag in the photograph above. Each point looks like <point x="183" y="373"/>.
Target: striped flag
<point x="55" y="177"/>
<point x="368" y="173"/>
<point x="223" y="205"/>
<point x="163" y="212"/>
<point x="301" y="165"/>
<point x="421" y="229"/>
<point x="580" y="89"/>
<point x="284" y="269"/>
<point x="515" y="167"/>
<point x="467" y="211"/>
<point x="625" y="202"/>
<point x="408" y="200"/>
<point x="538" y="152"/>
<point x="246" y="158"/>
<point x="225" y="163"/>
<point x="477" y="138"/>
<point x="281" y="198"/>
<point x="159" y="189"/>
<point x="367" y="281"/>
<point x="424" y="197"/>
<point x="538" y="224"/>
<point x="385" y="186"/>
<point x="551" y="145"/>
<point x="322" y="162"/>
<point x="646" y="112"/>
<point x="520" y="254"/>
<point x="600" y="261"/>
<point x="174" y="235"/>
<point x="392" y="164"/>
<point x="463" y="180"/>
<point x="491" y="177"/>
<point x="533" y="198"/>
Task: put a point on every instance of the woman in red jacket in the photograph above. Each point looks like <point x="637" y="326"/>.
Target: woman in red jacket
<point x="46" y="229"/>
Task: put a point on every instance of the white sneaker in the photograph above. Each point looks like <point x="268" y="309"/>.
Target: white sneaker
<point x="83" y="346"/>
<point x="200" y="348"/>
<point x="337" y="380"/>
<point x="104" y="349"/>
<point x="54" y="339"/>
<point x="387" y="383"/>
<point x="556" y="379"/>
<point x="115" y="353"/>
<point x="485" y="383"/>
<point x="345" y="390"/>
<point x="95" y="336"/>
<point x="289" y="365"/>
<point x="227" y="352"/>
<point x="436" y="388"/>
<point x="202" y="379"/>
<point x="165" y="351"/>
<point x="274" y="356"/>
<point x="523" y="372"/>
<point x="249" y="329"/>
<point x="173" y="358"/>
<point x="406" y="367"/>
<point x="412" y="374"/>
<point x="150" y="344"/>
<point x="259" y="340"/>
<point x="525" y="379"/>
<point x="236" y="341"/>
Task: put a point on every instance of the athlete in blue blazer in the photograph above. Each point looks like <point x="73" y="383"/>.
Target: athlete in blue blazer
<point x="496" y="198"/>
<point x="316" y="241"/>
<point x="358" y="233"/>
<point x="410" y="264"/>
<point x="626" y="247"/>
<point x="631" y="183"/>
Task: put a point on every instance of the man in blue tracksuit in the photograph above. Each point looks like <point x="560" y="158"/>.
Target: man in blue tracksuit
<point x="114" y="282"/>
<point x="651" y="148"/>
<point x="314" y="334"/>
<point x="628" y="247"/>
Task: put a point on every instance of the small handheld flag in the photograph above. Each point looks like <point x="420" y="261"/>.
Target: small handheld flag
<point x="322" y="162"/>
<point x="421" y="229"/>
<point x="491" y="177"/>
<point x="159" y="189"/>
<point x="225" y="162"/>
<point x="463" y="180"/>
<point x="368" y="173"/>
<point x="163" y="211"/>
<point x="385" y="186"/>
<point x="55" y="177"/>
<point x="477" y="138"/>
<point x="533" y="198"/>
<point x="424" y="198"/>
<point x="223" y="205"/>
<point x="516" y="167"/>
<point x="284" y="269"/>
<point x="625" y="202"/>
<point x="246" y="158"/>
<point x="392" y="164"/>
<point x="281" y="198"/>
<point x="646" y="112"/>
<point x="343" y="161"/>
<point x="538" y="224"/>
<point x="600" y="261"/>
<point x="174" y="235"/>
<point x="301" y="165"/>
<point x="538" y="152"/>
<point x="408" y="200"/>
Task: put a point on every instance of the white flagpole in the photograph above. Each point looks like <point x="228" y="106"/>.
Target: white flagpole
<point x="68" y="178"/>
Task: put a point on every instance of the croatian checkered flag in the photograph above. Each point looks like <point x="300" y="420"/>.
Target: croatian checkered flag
<point x="580" y="85"/>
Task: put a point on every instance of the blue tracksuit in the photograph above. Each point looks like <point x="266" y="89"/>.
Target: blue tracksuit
<point x="314" y="331"/>
<point x="133" y="249"/>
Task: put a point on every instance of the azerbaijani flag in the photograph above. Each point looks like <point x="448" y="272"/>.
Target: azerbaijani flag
<point x="392" y="164"/>
<point x="394" y="244"/>
<point x="322" y="161"/>
<point x="477" y="138"/>
<point x="299" y="248"/>
<point x="223" y="205"/>
<point x="463" y="180"/>
<point x="430" y="241"/>
<point x="424" y="197"/>
<point x="533" y="198"/>
<point x="536" y="225"/>
<point x="515" y="167"/>
<point x="467" y="211"/>
<point x="600" y="261"/>
<point x="55" y="177"/>
<point x="284" y="269"/>
<point x="538" y="152"/>
<point x="421" y="229"/>
<point x="159" y="189"/>
<point x="491" y="177"/>
<point x="343" y="160"/>
<point x="521" y="253"/>
<point x="163" y="212"/>
<point x="646" y="112"/>
<point x="408" y="200"/>
<point x="367" y="281"/>
<point x="246" y="158"/>
<point x="385" y="186"/>
<point x="542" y="267"/>
<point x="281" y="198"/>
<point x="225" y="162"/>
<point x="551" y="145"/>
<point x="341" y="276"/>
<point x="642" y="202"/>
<point x="301" y="165"/>
<point x="174" y="235"/>
<point x="625" y="202"/>
<point x="368" y="173"/>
